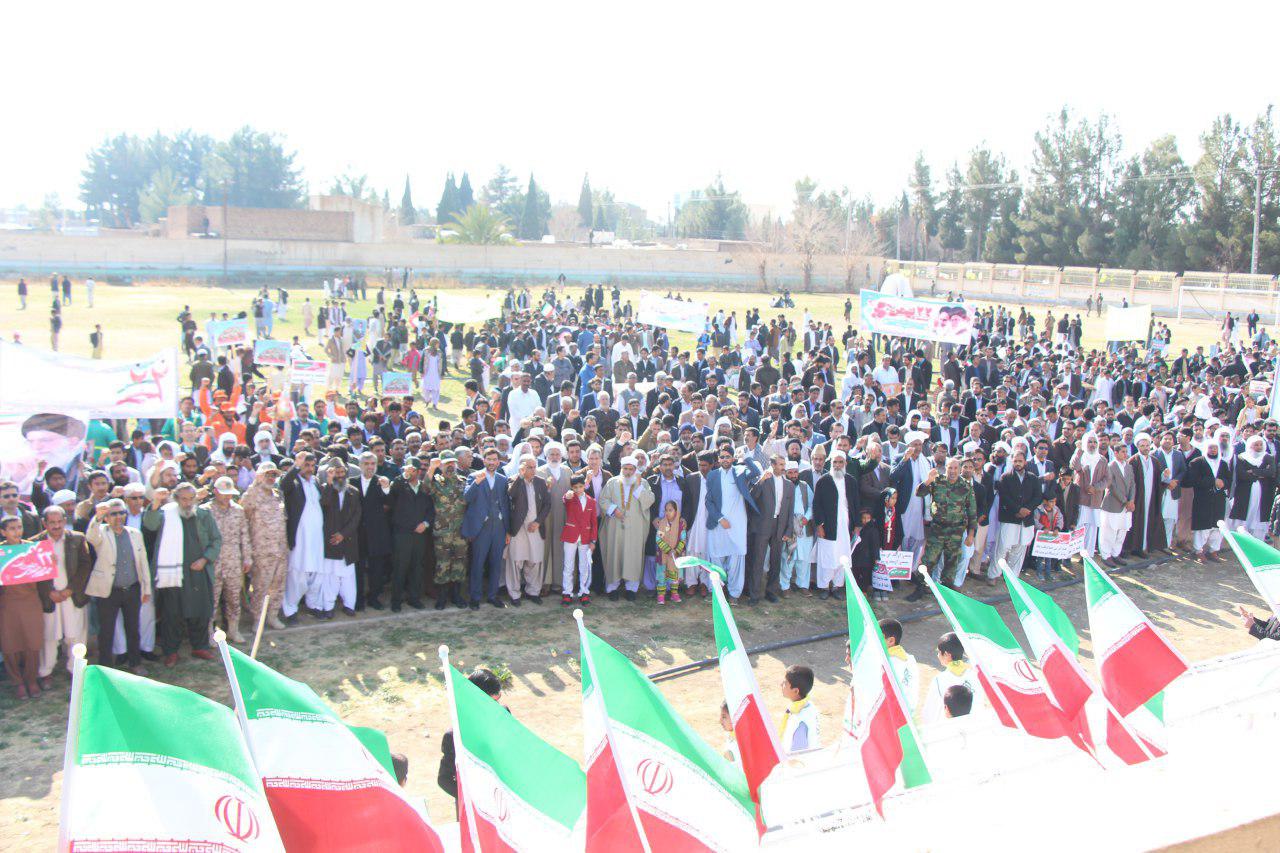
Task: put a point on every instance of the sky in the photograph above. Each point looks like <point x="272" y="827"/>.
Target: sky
<point x="651" y="99"/>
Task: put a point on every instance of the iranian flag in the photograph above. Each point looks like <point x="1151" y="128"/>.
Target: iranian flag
<point x="652" y="783"/>
<point x="1261" y="562"/>
<point x="881" y="722"/>
<point x="1136" y="664"/>
<point x="515" y="791"/>
<point x="1018" y="697"/>
<point x="1134" y="659"/>
<point x="1055" y="644"/>
<point x="326" y="789"/>
<point x="755" y="734"/>
<point x="150" y="766"/>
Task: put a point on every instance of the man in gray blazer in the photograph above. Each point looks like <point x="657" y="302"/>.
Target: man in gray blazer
<point x="769" y="524"/>
<point x="1117" y="506"/>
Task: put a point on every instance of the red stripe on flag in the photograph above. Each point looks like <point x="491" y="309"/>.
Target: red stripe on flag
<point x="1124" y="746"/>
<point x="1039" y="717"/>
<point x="372" y="818"/>
<point x="610" y="826"/>
<point x="755" y="745"/>
<point x="1070" y="690"/>
<point x="1137" y="668"/>
<point x="882" y="748"/>
<point x="666" y="837"/>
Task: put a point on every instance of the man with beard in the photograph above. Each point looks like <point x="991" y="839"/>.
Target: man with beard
<point x="188" y="545"/>
<point x="694" y="507"/>
<point x="1255" y="488"/>
<point x="625" y="509"/>
<point x="484" y="525"/>
<point x="1147" y="531"/>
<point x="410" y="518"/>
<point x="556" y="475"/>
<point x="530" y="506"/>
<point x="305" y="529"/>
<point x="1208" y="477"/>
<point x="835" y="508"/>
<point x="340" y="508"/>
<point x="1020" y="492"/>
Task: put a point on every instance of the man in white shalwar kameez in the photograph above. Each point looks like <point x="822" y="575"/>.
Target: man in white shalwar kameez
<point x="696" y="543"/>
<point x="333" y="577"/>
<point x="727" y="538"/>
<point x="307" y="554"/>
<point x="912" y="505"/>
<point x="832" y="555"/>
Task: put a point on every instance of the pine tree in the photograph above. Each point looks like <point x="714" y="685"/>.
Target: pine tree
<point x="407" y="215"/>
<point x="924" y="204"/>
<point x="448" y="201"/>
<point x="951" y="218"/>
<point x="584" y="204"/>
<point x="466" y="198"/>
<point x="533" y="219"/>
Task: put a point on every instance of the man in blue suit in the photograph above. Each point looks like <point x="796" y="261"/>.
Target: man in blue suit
<point x="484" y="525"/>
<point x="728" y="499"/>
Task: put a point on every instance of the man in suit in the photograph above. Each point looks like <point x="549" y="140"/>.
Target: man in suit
<point x="1174" y="469"/>
<point x="728" y="502"/>
<point x="770" y="526"/>
<point x="375" y="534"/>
<point x="120" y="580"/>
<point x="484" y="525"/>
<point x="10" y="507"/>
<point x="1020" y="491"/>
<point x="530" y="500"/>
<point x="66" y="621"/>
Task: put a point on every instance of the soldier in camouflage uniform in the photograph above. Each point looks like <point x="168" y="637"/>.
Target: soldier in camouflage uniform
<point x="445" y="485"/>
<point x="264" y="509"/>
<point x="954" y="522"/>
<point x="233" y="560"/>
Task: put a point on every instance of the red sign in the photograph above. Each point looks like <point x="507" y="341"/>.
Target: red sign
<point x="27" y="563"/>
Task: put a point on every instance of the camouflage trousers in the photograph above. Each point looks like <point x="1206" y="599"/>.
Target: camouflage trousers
<point x="267" y="578"/>
<point x="451" y="559"/>
<point x="947" y="543"/>
<point x="228" y="592"/>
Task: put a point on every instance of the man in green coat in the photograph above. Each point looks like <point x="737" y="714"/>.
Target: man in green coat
<point x="187" y="547"/>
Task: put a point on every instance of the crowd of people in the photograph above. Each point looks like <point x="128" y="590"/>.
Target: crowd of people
<point x="592" y="451"/>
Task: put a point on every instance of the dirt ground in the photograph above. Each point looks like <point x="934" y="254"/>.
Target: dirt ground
<point x="383" y="670"/>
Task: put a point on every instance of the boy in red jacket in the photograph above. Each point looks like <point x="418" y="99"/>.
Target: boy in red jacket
<point x="579" y="538"/>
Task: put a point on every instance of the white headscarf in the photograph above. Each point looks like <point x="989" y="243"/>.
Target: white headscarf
<point x="1255" y="450"/>
<point x="554" y="467"/>
<point x="224" y="456"/>
<point x="1089" y="459"/>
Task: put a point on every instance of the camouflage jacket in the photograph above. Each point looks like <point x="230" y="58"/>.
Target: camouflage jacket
<point x="953" y="503"/>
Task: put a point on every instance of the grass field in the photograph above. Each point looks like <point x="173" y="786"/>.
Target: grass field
<point x="383" y="671"/>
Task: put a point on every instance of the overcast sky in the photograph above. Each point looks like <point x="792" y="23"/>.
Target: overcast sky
<point x="650" y="98"/>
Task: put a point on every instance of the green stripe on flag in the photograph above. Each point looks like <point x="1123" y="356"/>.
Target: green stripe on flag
<point x="534" y="770"/>
<point x="914" y="770"/>
<point x="974" y="617"/>
<point x="1097" y="586"/>
<point x="633" y="701"/>
<point x="126" y="715"/>
<point x="1261" y="556"/>
<point x="262" y="687"/>
<point x="1156" y="706"/>
<point x="1049" y="609"/>
<point x="378" y="746"/>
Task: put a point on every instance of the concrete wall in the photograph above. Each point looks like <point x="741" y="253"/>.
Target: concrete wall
<point x="256" y="260"/>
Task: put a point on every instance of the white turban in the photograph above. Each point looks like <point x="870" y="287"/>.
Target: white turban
<point x="629" y="460"/>
<point x="916" y="435"/>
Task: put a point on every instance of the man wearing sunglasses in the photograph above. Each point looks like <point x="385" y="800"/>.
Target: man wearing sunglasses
<point x="120" y="580"/>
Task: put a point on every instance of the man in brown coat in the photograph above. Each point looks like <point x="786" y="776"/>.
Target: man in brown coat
<point x="66" y="621"/>
<point x="530" y="505"/>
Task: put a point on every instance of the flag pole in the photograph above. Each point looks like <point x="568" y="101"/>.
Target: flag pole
<point x="457" y="739"/>
<point x="220" y="640"/>
<point x="1095" y="689"/>
<point x="717" y="590"/>
<point x="1247" y="564"/>
<point x="608" y="735"/>
<point x="262" y="623"/>
<point x="994" y="692"/>
<point x="78" y="665"/>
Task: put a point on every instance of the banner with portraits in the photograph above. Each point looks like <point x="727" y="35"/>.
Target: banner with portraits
<point x="922" y="319"/>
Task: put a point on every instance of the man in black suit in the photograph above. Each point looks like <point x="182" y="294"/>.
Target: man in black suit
<point x="1020" y="491"/>
<point x="340" y="506"/>
<point x="375" y="534"/>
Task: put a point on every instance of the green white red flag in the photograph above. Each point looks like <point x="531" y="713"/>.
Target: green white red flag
<point x="27" y="562"/>
<point x="1261" y="563"/>
<point x="151" y="766"/>
<point x="652" y="783"/>
<point x="1018" y="697"/>
<point x="1135" y="663"/>
<point x="1055" y="644"/>
<point x="754" y="732"/>
<point x="327" y="791"/>
<point x="879" y="716"/>
<point x="516" y="792"/>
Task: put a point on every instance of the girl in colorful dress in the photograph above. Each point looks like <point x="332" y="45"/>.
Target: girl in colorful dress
<point x="671" y="538"/>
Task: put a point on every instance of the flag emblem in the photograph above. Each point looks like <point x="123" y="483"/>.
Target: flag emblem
<point x="655" y="777"/>
<point x="240" y="821"/>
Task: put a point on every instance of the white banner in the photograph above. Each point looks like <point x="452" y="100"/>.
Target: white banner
<point x="470" y="310"/>
<point x="1128" y="324"/>
<point x="35" y="380"/>
<point x="1058" y="546"/>
<point x="309" y="372"/>
<point x="948" y="322"/>
<point x="893" y="566"/>
<point x="672" y="313"/>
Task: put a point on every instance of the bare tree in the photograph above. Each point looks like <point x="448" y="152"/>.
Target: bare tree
<point x="861" y="244"/>
<point x="564" y="223"/>
<point x="812" y="231"/>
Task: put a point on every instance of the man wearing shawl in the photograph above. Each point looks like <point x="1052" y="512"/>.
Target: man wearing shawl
<point x="1255" y="488"/>
<point x="187" y="547"/>
<point x="1208" y="477"/>
<point x="625" y="506"/>
<point x="556" y="475"/>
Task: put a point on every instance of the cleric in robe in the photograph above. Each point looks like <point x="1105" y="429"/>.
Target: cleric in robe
<point x="1147" y="529"/>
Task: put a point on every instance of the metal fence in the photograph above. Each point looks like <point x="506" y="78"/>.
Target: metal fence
<point x="1146" y="280"/>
